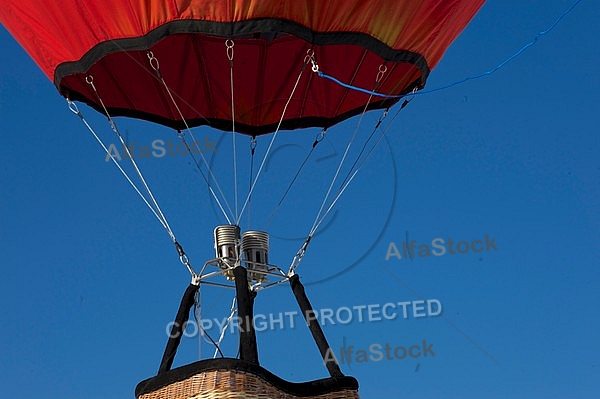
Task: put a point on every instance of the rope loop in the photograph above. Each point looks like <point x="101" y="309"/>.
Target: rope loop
<point x="229" y="44"/>
<point x="310" y="57"/>
<point x="320" y="137"/>
<point x="186" y="262"/>
<point x="382" y="71"/>
<point x="153" y="61"/>
<point x="73" y="107"/>
<point x="184" y="259"/>
<point x="310" y="53"/>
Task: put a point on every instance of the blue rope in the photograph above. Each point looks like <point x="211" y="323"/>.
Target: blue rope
<point x="347" y="86"/>
<point x="468" y="78"/>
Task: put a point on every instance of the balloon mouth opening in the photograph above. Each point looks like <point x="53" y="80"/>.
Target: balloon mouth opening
<point x="269" y="55"/>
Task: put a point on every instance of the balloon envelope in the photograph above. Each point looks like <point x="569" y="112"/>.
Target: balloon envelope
<point x="351" y="40"/>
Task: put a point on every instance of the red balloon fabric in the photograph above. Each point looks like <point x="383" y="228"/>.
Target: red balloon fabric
<point x="110" y="41"/>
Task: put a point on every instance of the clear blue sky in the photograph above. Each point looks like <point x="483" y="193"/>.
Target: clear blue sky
<point x="90" y="280"/>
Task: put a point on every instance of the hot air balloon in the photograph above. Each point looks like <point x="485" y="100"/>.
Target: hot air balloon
<point x="246" y="67"/>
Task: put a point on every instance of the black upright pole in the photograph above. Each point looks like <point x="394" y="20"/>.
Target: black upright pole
<point x="315" y="327"/>
<point x="182" y="317"/>
<point x="245" y="300"/>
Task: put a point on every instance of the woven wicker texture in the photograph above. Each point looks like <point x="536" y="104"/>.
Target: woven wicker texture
<point x="232" y="384"/>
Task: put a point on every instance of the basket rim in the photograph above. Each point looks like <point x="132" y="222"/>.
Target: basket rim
<point x="300" y="389"/>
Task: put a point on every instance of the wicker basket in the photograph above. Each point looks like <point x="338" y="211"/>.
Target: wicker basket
<point x="233" y="378"/>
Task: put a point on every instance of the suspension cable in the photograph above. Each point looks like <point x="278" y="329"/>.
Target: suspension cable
<point x="198" y="316"/>
<point x="90" y="81"/>
<point x="73" y="107"/>
<point x="379" y="122"/>
<point x="156" y="66"/>
<point x="298" y="257"/>
<point x="352" y="171"/>
<point x="229" y="45"/>
<point x="252" y="151"/>
<point x="337" y="172"/>
<point x="366" y="143"/>
<point x="158" y="211"/>
<point x="204" y="334"/>
<point x="350" y="177"/>
<point x="320" y="137"/>
<point x="275" y="133"/>
<point x="319" y="219"/>
<point x="181" y="136"/>
<point x="232" y="312"/>
<point x="320" y="216"/>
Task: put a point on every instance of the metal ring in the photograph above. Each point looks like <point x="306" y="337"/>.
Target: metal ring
<point x="153" y="62"/>
<point x="229" y="44"/>
<point x="309" y="55"/>
<point x="72" y="106"/>
<point x="321" y="136"/>
<point x="382" y="71"/>
<point x="89" y="79"/>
